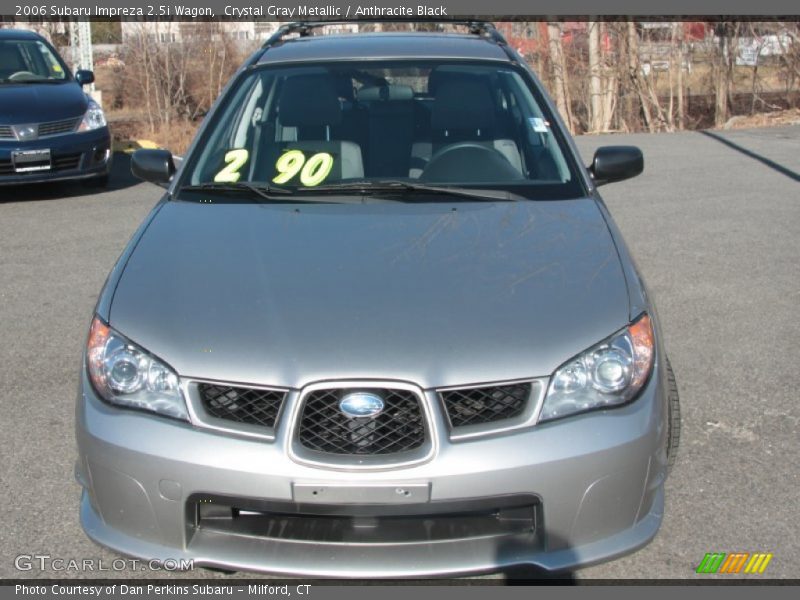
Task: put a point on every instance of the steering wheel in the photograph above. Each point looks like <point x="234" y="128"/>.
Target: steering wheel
<point x="469" y="162"/>
<point x="22" y="75"/>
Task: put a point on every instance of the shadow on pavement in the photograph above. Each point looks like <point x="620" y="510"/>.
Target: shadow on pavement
<point x="530" y="575"/>
<point x="762" y="159"/>
<point x="121" y="176"/>
<point x="120" y="179"/>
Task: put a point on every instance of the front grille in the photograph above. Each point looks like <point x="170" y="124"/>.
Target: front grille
<point x="66" y="162"/>
<point x="44" y="129"/>
<point x="398" y="428"/>
<point x="6" y="168"/>
<point x="479" y="405"/>
<point x="57" y="127"/>
<point x="242" y="405"/>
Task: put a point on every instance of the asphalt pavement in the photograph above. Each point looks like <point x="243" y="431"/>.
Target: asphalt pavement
<point x="714" y="224"/>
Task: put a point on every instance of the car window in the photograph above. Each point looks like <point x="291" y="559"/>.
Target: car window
<point x="29" y="60"/>
<point x="460" y="124"/>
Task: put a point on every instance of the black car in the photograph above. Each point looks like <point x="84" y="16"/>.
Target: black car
<point x="50" y="129"/>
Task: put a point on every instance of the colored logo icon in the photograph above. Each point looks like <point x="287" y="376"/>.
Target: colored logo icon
<point x="734" y="563"/>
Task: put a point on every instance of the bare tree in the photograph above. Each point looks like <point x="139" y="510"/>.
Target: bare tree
<point x="789" y="41"/>
<point x="727" y="35"/>
<point x="559" y="74"/>
<point x="610" y="81"/>
<point x="678" y="58"/>
<point x="595" y="79"/>
<point x="173" y="72"/>
<point x="636" y="75"/>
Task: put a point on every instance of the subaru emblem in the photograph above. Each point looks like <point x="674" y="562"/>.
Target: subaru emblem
<point x="361" y="404"/>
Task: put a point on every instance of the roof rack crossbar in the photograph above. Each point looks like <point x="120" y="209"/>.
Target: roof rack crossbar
<point x="303" y="28"/>
<point x="487" y="29"/>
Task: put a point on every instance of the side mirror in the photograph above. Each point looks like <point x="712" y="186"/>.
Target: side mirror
<point x="84" y="77"/>
<point x="155" y="166"/>
<point x="615" y="163"/>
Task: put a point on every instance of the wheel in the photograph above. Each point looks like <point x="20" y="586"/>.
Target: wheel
<point x="673" y="418"/>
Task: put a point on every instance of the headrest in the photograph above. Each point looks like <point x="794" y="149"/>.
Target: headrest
<point x="10" y="57"/>
<point x="309" y="101"/>
<point x="462" y="102"/>
<point x="385" y="92"/>
<point x="448" y="72"/>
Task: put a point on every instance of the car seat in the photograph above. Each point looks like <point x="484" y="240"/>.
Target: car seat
<point x="308" y="110"/>
<point x="463" y="111"/>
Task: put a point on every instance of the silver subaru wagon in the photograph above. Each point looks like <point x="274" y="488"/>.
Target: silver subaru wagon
<point x="381" y="324"/>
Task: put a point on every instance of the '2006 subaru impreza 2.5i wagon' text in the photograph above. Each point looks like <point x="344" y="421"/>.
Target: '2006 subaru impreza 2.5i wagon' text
<point x="380" y="325"/>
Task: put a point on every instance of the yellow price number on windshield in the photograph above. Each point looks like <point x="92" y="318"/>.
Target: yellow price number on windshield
<point x="312" y="171"/>
<point x="234" y="160"/>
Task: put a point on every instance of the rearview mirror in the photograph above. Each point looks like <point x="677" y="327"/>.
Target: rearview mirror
<point x="615" y="163"/>
<point x="84" y="77"/>
<point x="155" y="166"/>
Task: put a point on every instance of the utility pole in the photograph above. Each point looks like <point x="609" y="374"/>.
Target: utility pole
<point x="80" y="41"/>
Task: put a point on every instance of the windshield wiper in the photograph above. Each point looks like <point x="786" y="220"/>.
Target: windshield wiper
<point x="262" y="190"/>
<point x="404" y="187"/>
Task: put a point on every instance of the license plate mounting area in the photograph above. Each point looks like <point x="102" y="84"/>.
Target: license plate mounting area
<point x="26" y="161"/>
<point x="326" y="493"/>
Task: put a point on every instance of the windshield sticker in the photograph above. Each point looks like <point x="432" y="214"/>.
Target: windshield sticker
<point x="234" y="160"/>
<point x="538" y="125"/>
<point x="312" y="172"/>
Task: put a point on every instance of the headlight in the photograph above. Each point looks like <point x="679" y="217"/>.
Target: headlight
<point x="126" y="375"/>
<point x="94" y="117"/>
<point x="608" y="374"/>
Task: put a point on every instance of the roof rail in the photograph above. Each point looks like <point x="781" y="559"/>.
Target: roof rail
<point x="303" y="28"/>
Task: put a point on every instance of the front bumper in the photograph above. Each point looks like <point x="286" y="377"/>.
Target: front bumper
<point x="74" y="156"/>
<point x="597" y="481"/>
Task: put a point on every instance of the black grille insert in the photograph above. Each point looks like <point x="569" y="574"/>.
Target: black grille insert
<point x="242" y="405"/>
<point x="476" y="406"/>
<point x="6" y="133"/>
<point x="362" y="524"/>
<point x="66" y="162"/>
<point x="398" y="428"/>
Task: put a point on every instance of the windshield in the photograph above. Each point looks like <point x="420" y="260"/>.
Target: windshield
<point x="344" y="124"/>
<point x="23" y="61"/>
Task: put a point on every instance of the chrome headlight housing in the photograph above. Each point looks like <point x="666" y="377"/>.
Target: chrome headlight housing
<point x="126" y="375"/>
<point x="607" y="374"/>
<point x="94" y="117"/>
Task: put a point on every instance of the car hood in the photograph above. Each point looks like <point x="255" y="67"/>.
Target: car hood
<point x="40" y="102"/>
<point x="435" y="294"/>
